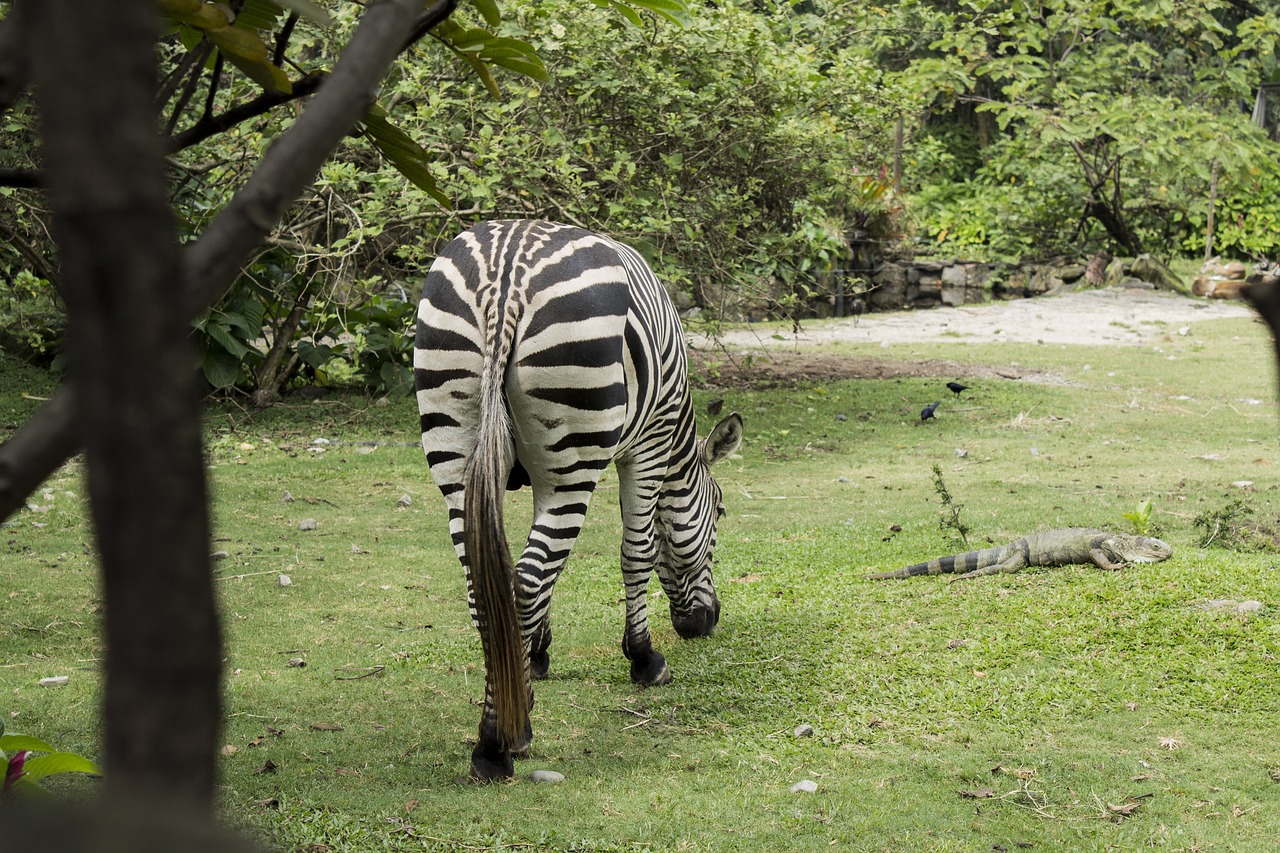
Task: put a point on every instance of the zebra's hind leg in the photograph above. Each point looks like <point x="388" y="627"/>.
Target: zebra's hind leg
<point x="491" y="759"/>
<point x="639" y="555"/>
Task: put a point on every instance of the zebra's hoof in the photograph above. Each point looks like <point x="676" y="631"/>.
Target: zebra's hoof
<point x="699" y="622"/>
<point x="539" y="665"/>
<point x="651" y="673"/>
<point x="491" y="766"/>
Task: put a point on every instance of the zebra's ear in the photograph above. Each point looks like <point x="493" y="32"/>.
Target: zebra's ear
<point x="724" y="440"/>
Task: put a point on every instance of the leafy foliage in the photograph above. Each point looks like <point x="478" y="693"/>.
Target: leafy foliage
<point x="1137" y="100"/>
<point x="1246" y="216"/>
<point x="24" y="769"/>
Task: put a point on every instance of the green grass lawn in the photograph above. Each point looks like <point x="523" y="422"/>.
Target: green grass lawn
<point x="1053" y="709"/>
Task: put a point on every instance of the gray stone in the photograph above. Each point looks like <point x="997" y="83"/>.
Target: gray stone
<point x="308" y="524"/>
<point x="1070" y="272"/>
<point x="1157" y="273"/>
<point x="955" y="276"/>
<point x="546" y="776"/>
<point x="805" y="786"/>
<point x="804" y="730"/>
<point x="1116" y="271"/>
<point x="1250" y="606"/>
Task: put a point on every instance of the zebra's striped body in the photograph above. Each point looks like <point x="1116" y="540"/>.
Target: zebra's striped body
<point x="543" y="353"/>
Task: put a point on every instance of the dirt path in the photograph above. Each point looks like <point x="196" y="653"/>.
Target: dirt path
<point x="1110" y="316"/>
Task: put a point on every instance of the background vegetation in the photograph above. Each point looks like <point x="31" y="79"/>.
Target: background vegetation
<point x="1054" y="709"/>
<point x="750" y="151"/>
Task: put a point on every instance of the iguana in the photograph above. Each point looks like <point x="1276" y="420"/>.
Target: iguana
<point x="1051" y="548"/>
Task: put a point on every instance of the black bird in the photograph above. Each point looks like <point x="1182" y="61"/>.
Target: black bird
<point x="714" y="407"/>
<point x="956" y="388"/>
<point x="927" y="411"/>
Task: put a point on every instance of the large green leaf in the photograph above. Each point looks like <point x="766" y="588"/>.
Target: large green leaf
<point x="488" y="10"/>
<point x="408" y="157"/>
<point x="219" y="330"/>
<point x="240" y="44"/>
<point x="15" y="743"/>
<point x="480" y="48"/>
<point x="220" y="368"/>
<point x="43" y="766"/>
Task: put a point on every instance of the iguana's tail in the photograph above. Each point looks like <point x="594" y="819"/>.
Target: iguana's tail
<point x="960" y="563"/>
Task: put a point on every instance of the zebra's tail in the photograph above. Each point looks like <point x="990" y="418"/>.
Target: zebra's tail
<point x="492" y="572"/>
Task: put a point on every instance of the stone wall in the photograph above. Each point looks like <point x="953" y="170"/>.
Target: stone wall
<point x="895" y="285"/>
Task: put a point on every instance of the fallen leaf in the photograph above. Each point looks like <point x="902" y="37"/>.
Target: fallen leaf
<point x="980" y="794"/>
<point x="1170" y="742"/>
<point x="1125" y="810"/>
<point x="326" y="727"/>
<point x="745" y="579"/>
<point x="411" y="805"/>
<point x="268" y="767"/>
<point x="273" y="732"/>
<point x="345" y="772"/>
<point x="228" y="750"/>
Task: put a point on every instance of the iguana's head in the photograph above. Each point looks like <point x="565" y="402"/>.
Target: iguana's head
<point x="1137" y="549"/>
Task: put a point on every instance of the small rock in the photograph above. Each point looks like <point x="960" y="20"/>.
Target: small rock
<point x="804" y="730"/>
<point x="842" y="417"/>
<point x="961" y="453"/>
<point x="404" y="501"/>
<point x="219" y="555"/>
<point x="54" y="681"/>
<point x="805" y="786"/>
<point x="1250" y="606"/>
<point x="287" y="497"/>
<point x="842" y="479"/>
<point x="244" y="445"/>
<point x="285" y="580"/>
<point x="297" y="662"/>
<point x="546" y="776"/>
<point x="308" y="524"/>
<point x="1243" y="484"/>
<point x="322" y="442"/>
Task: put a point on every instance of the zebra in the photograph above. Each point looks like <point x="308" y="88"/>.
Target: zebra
<point x="543" y="352"/>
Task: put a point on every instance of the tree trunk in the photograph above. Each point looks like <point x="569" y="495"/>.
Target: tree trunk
<point x="138" y="402"/>
<point x="1213" y="203"/>
<point x="1115" y="225"/>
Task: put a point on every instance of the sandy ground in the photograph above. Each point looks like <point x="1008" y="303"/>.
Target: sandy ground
<point x="1114" y="315"/>
<point x="1110" y="316"/>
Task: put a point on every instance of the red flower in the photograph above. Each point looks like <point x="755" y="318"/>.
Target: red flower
<point x="14" y="771"/>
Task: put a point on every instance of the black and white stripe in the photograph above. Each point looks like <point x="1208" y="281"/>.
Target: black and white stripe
<point x="544" y="352"/>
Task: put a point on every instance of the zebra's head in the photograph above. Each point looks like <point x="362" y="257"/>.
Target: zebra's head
<point x="693" y="505"/>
